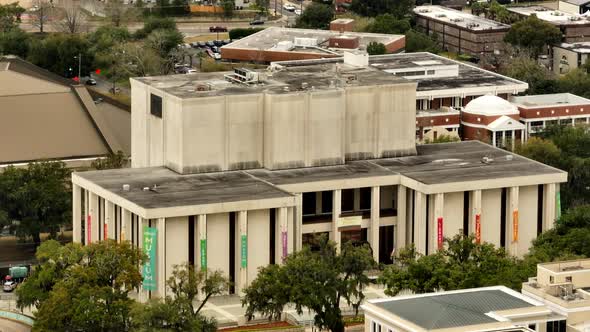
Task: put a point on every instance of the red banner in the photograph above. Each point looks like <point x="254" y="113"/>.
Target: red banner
<point x="477" y="228"/>
<point x="88" y="230"/>
<point x="106" y="232"/>
<point x="440" y="233"/>
<point x="515" y="225"/>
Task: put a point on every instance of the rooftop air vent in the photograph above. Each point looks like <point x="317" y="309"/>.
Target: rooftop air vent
<point x="424" y="10"/>
<point x="486" y="160"/>
<point x="456" y="20"/>
<point x="541" y="9"/>
<point x="441" y="15"/>
<point x="126" y="187"/>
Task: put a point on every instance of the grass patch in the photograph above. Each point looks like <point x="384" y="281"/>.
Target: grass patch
<point x="273" y="326"/>
<point x="354" y="320"/>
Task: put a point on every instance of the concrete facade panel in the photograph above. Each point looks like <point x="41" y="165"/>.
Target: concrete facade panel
<point x="527" y="223"/>
<point x="258" y="241"/>
<point x="284" y="130"/>
<point x="176" y="243"/>
<point x="490" y="216"/>
<point x="325" y="128"/>
<point x="218" y="242"/>
<point x="245" y="131"/>
<point x="453" y="214"/>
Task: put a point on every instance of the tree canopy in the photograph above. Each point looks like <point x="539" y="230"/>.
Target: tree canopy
<point x="533" y="34"/>
<point x="387" y="23"/>
<point x="36" y="198"/>
<point x="375" y="48"/>
<point x="462" y="263"/>
<point x="420" y="42"/>
<point x="315" y="280"/>
<point x="398" y="8"/>
<point x="83" y="287"/>
<point x="10" y="16"/>
<point x="315" y="16"/>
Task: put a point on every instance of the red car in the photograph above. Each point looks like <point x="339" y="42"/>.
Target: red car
<point x="217" y="29"/>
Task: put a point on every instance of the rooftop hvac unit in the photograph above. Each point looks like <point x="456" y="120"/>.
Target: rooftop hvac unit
<point x="424" y="10"/>
<point x="441" y="15"/>
<point x="456" y="20"/>
<point x="305" y="42"/>
<point x="245" y="76"/>
<point x="472" y="25"/>
<point x="541" y="9"/>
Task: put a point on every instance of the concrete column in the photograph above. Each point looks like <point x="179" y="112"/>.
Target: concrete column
<point x="242" y="253"/>
<point x="336" y="210"/>
<point x="125" y="225"/>
<point x="513" y="139"/>
<point x="161" y="257"/>
<point x="512" y="220"/>
<point x="375" y="222"/>
<point x="201" y="239"/>
<point x="76" y="213"/>
<point x="474" y="211"/>
<point x="93" y="213"/>
<point x="298" y="222"/>
<point x="318" y="202"/>
<point x="401" y="229"/>
<point x="282" y="235"/>
<point x="109" y="220"/>
<point x="420" y="221"/>
<point x="493" y="138"/>
<point x="434" y="228"/>
<point x="503" y="138"/>
<point x="549" y="207"/>
<point x="101" y="220"/>
<point x="86" y="215"/>
<point x="142" y="294"/>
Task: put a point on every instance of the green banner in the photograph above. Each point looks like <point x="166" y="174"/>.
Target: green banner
<point x="558" y="205"/>
<point x="203" y="254"/>
<point x="150" y="237"/>
<point x="244" y="251"/>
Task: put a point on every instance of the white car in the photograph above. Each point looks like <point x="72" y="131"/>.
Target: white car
<point x="289" y="7"/>
<point x="9" y="285"/>
<point x="190" y="71"/>
<point x="297" y="11"/>
<point x="216" y="56"/>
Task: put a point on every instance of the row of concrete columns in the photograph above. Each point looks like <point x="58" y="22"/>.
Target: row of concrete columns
<point x="435" y="222"/>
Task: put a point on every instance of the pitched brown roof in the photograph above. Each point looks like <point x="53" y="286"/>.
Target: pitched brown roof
<point x="45" y="116"/>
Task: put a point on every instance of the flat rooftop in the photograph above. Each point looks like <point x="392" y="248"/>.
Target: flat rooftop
<point x="455" y="308"/>
<point x="555" y="99"/>
<point x="556" y="17"/>
<point x="173" y="189"/>
<point x="568" y="266"/>
<point x="318" y="76"/>
<point x="270" y="39"/>
<point x="433" y="164"/>
<point x="469" y="77"/>
<point x="458" y="18"/>
<point x="437" y="112"/>
<point x="579" y="47"/>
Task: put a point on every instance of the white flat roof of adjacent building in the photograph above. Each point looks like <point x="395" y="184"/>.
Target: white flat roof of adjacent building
<point x="548" y="100"/>
<point x="550" y="15"/>
<point x="579" y="47"/>
<point x="458" y="18"/>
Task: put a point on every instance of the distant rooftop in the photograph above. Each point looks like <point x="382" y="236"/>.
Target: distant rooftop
<point x="567" y="266"/>
<point x="459" y="18"/>
<point x="556" y="99"/>
<point x="579" y="47"/>
<point x="455" y="308"/>
<point x="306" y="40"/>
<point x="438" y="74"/>
<point x="550" y="15"/>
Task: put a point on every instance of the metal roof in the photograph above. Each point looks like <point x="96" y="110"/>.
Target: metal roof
<point x="446" y="310"/>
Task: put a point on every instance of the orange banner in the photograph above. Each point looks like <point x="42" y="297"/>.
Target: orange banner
<point x="477" y="228"/>
<point x="515" y="225"/>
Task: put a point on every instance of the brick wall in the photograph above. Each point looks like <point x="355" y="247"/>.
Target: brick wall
<point x="485" y="120"/>
<point x="437" y="120"/>
<point x="547" y="112"/>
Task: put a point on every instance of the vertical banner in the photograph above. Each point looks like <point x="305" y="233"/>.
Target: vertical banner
<point x="106" y="230"/>
<point x="203" y="254"/>
<point x="440" y="233"/>
<point x="515" y="226"/>
<point x="478" y="228"/>
<point x="284" y="237"/>
<point x="244" y="251"/>
<point x="150" y="236"/>
<point x="558" y="205"/>
<point x="88" y="230"/>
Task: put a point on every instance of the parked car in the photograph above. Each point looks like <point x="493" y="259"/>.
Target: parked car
<point x="289" y="7"/>
<point x="217" y="29"/>
<point x="217" y="56"/>
<point x="201" y="44"/>
<point x="91" y="81"/>
<point x="210" y="43"/>
<point x="210" y="53"/>
<point x="9" y="285"/>
<point x="218" y="42"/>
<point x="257" y="22"/>
<point x="297" y="11"/>
<point x="215" y="49"/>
<point x="114" y="90"/>
<point x="190" y="71"/>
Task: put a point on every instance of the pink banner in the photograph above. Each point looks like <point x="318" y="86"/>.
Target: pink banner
<point x="477" y="228"/>
<point x="285" y="251"/>
<point x="88" y="230"/>
<point x="106" y="231"/>
<point x="440" y="233"/>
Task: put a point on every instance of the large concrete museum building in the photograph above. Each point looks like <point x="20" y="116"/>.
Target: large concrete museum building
<point x="233" y="172"/>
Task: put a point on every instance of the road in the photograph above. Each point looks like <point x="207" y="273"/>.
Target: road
<point x="12" y="326"/>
